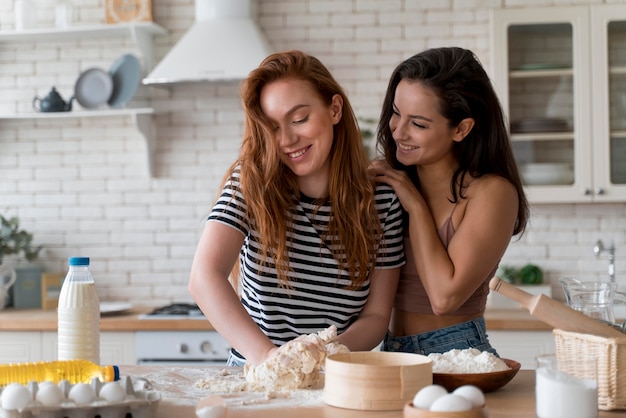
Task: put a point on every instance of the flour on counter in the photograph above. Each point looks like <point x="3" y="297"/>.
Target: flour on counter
<point x="231" y="385"/>
<point x="470" y="360"/>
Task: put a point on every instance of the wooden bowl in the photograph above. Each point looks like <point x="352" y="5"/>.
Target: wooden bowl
<point x="375" y="380"/>
<point x="412" y="412"/>
<point x="487" y="382"/>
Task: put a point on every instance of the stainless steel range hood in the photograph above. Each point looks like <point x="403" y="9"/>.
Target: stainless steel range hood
<point x="224" y="44"/>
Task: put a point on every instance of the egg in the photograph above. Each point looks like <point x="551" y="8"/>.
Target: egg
<point x="451" y="403"/>
<point x="15" y="396"/>
<point x="213" y="406"/>
<point x="82" y="394"/>
<point x="49" y="394"/>
<point x="472" y="394"/>
<point x="217" y="411"/>
<point x="113" y="392"/>
<point x="425" y="397"/>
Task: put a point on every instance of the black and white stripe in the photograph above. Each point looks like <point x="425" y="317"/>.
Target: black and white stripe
<point x="319" y="295"/>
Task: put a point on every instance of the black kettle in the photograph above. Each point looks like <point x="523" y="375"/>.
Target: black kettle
<point x="53" y="102"/>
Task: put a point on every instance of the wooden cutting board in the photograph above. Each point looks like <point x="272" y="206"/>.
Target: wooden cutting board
<point x="553" y="312"/>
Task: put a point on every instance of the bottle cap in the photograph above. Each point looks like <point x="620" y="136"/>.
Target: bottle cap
<point x="78" y="261"/>
<point x="111" y="373"/>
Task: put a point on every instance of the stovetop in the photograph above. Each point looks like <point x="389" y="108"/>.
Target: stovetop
<point x="175" y="311"/>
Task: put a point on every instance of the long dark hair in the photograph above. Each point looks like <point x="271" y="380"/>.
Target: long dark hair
<point x="464" y="90"/>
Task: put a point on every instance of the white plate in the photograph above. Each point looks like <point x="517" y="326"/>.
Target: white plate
<point x="93" y="88"/>
<point x="109" y="308"/>
<point x="535" y="174"/>
<point x="126" y="74"/>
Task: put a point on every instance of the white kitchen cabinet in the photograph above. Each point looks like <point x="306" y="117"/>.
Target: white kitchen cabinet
<point x="20" y="346"/>
<point x="27" y="346"/>
<point x="141" y="33"/>
<point x="561" y="76"/>
<point x="522" y="346"/>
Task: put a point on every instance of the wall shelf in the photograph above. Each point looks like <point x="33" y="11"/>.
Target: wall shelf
<point x="140" y="32"/>
<point x="142" y="119"/>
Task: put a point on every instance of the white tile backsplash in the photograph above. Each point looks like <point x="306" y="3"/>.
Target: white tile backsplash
<point x="81" y="185"/>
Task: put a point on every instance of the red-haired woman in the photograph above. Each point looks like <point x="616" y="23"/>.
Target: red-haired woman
<point x="317" y="242"/>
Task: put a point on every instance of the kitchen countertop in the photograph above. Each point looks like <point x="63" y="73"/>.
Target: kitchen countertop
<point x="46" y="320"/>
<point x="179" y="394"/>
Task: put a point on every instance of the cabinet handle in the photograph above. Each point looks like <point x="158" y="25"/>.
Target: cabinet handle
<point x="587" y="191"/>
<point x="183" y="348"/>
<point x="600" y="190"/>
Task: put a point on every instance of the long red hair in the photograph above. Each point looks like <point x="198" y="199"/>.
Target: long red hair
<point x="269" y="186"/>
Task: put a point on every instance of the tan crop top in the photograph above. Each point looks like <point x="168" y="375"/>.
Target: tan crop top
<point x="411" y="295"/>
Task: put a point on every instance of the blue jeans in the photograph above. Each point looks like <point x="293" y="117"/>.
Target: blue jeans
<point x="470" y="334"/>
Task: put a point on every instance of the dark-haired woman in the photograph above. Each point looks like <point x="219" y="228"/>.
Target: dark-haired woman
<point x="448" y="157"/>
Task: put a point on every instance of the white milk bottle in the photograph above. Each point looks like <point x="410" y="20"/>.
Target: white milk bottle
<point x="79" y="314"/>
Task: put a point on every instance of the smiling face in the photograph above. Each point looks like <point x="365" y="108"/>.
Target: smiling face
<point x="303" y="129"/>
<point x="421" y="133"/>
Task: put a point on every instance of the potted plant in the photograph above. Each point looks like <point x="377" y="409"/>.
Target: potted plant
<point x="14" y="241"/>
<point x="18" y="244"/>
<point x="367" y="126"/>
<point x="529" y="278"/>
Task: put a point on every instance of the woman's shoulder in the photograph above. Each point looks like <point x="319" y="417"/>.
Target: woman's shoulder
<point x="384" y="192"/>
<point x="384" y="189"/>
<point x="489" y="185"/>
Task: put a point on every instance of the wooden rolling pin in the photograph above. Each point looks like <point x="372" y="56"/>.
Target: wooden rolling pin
<point x="553" y="312"/>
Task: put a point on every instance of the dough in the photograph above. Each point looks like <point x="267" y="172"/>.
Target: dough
<point x="297" y="364"/>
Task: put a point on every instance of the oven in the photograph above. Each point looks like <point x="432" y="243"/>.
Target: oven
<point x="180" y="347"/>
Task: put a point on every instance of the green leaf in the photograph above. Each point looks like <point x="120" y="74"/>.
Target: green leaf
<point x="531" y="274"/>
<point x="508" y="274"/>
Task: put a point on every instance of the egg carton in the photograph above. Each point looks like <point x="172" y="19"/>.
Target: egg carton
<point x="140" y="402"/>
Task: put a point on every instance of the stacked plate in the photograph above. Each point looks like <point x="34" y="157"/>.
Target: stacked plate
<point x="96" y="88"/>
<point x="93" y="88"/>
<point x="539" y="125"/>
<point x="537" y="174"/>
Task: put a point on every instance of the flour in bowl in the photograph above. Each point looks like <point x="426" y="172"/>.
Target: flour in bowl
<point x="470" y="360"/>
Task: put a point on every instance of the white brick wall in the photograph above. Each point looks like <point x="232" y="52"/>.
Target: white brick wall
<point x="80" y="185"/>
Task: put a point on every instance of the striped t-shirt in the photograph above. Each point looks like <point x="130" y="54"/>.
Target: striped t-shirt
<point x="318" y="295"/>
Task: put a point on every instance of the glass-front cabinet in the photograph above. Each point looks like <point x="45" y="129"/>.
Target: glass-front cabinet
<point x="560" y="73"/>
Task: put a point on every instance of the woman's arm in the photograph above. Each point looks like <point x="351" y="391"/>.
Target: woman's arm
<point x="451" y="275"/>
<point x="216" y="254"/>
<point x="370" y="327"/>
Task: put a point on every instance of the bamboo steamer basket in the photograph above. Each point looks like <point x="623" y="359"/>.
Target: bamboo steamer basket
<point x="412" y="412"/>
<point x="375" y="380"/>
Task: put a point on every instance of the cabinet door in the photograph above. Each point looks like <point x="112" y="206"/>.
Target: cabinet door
<point x="522" y="346"/>
<point x="116" y="348"/>
<point x="608" y="36"/>
<point x="20" y="346"/>
<point x="542" y="72"/>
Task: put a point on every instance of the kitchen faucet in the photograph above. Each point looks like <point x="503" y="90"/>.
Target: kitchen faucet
<point x="599" y="249"/>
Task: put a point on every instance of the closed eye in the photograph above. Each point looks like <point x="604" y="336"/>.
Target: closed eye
<point x="418" y="125"/>
<point x="303" y="120"/>
<point x="413" y="118"/>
